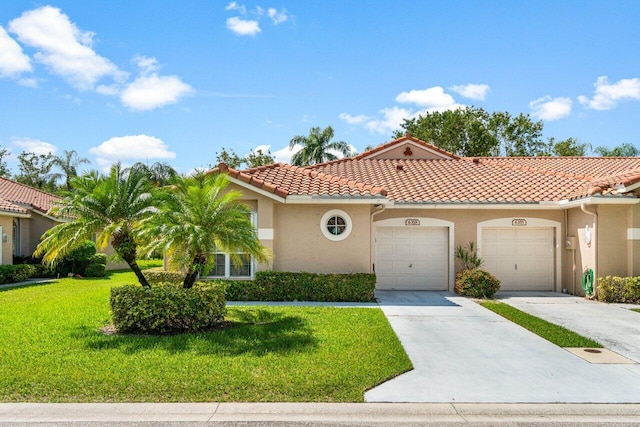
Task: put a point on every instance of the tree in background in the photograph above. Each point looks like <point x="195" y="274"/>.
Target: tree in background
<point x="113" y="207"/>
<point x="622" y="150"/>
<point x="68" y="163"/>
<point x="159" y="173"/>
<point x="475" y="132"/>
<point x="258" y="158"/>
<point x="317" y="147"/>
<point x="569" y="147"/>
<point x="4" y="168"/>
<point x="198" y="218"/>
<point x="35" y="171"/>
<point x="252" y="160"/>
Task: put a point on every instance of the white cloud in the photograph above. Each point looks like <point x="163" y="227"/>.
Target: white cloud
<point x="29" y="82"/>
<point x="433" y="97"/>
<point x="152" y="91"/>
<point x="607" y="95"/>
<point x="284" y="154"/>
<point x="354" y="120"/>
<point x="391" y="120"/>
<point x="13" y="61"/>
<point x="547" y="108"/>
<point x="476" y="92"/>
<point x="131" y="147"/>
<point x="235" y="6"/>
<point x="243" y="27"/>
<point x="278" y="17"/>
<point x="34" y="146"/>
<point x="63" y="47"/>
<point x="146" y="64"/>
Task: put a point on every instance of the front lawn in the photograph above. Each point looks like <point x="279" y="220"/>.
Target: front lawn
<point x="558" y="335"/>
<point x="51" y="349"/>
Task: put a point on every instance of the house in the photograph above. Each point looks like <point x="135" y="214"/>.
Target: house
<point x="23" y="218"/>
<point x="402" y="208"/>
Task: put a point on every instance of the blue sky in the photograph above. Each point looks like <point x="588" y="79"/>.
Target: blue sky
<point x="175" y="81"/>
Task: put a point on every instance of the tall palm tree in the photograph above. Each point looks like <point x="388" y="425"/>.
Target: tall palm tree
<point x="69" y="163"/>
<point x="316" y="147"/>
<point x="199" y="217"/>
<point x="114" y="207"/>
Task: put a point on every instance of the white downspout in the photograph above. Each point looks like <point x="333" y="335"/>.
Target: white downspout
<point x="379" y="211"/>
<point x="597" y="242"/>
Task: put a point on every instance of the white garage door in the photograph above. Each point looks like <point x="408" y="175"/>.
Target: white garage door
<point x="522" y="258"/>
<point x="409" y="258"/>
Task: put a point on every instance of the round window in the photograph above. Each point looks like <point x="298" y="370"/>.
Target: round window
<point x="335" y="225"/>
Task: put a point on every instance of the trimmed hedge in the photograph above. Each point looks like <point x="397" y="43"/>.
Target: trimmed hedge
<point x="16" y="273"/>
<point x="286" y="286"/>
<point x="476" y="283"/>
<point x="167" y="308"/>
<point x="155" y="276"/>
<point x="619" y="289"/>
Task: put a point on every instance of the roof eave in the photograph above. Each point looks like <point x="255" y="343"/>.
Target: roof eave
<point x="302" y="199"/>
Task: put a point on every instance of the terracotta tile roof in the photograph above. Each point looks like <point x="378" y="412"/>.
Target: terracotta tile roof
<point x="456" y="181"/>
<point x="404" y="138"/>
<point x="488" y="180"/>
<point x="283" y="180"/>
<point x="7" y="206"/>
<point x="14" y="193"/>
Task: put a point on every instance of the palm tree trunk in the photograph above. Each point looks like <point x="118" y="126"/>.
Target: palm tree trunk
<point x="138" y="272"/>
<point x="198" y="263"/>
<point x="125" y="246"/>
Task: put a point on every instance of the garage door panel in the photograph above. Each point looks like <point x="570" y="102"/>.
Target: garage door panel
<point x="522" y="258"/>
<point x="412" y="258"/>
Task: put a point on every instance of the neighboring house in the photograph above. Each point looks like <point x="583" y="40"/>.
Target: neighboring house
<point x="400" y="209"/>
<point x="23" y="218"/>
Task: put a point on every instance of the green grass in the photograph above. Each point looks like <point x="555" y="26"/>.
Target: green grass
<point x="149" y="263"/>
<point x="636" y="310"/>
<point x="51" y="349"/>
<point x="558" y="335"/>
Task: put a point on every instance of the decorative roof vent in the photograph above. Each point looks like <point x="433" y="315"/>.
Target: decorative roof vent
<point x="408" y="152"/>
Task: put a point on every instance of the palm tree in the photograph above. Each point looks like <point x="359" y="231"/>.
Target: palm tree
<point x="199" y="217"/>
<point x="316" y="147"/>
<point x="114" y="207"/>
<point x="68" y="163"/>
<point x="159" y="174"/>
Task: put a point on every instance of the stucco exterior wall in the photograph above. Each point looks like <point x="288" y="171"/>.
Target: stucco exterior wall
<point x="35" y="227"/>
<point x="585" y="254"/>
<point x="299" y="244"/>
<point x="397" y="153"/>
<point x="633" y="240"/>
<point x="612" y="239"/>
<point x="6" y="222"/>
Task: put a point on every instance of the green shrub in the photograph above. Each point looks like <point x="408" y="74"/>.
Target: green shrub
<point x="476" y="283"/>
<point x="42" y="271"/>
<point x="98" y="258"/>
<point x="95" y="270"/>
<point x="619" y="289"/>
<point x="16" y="273"/>
<point x="167" y="308"/>
<point x="158" y="276"/>
<point x="286" y="286"/>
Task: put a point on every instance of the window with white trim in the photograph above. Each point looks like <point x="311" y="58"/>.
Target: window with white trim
<point x="224" y="266"/>
<point x="336" y="225"/>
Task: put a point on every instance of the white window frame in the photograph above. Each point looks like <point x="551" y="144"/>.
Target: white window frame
<point x="343" y="215"/>
<point x="253" y="216"/>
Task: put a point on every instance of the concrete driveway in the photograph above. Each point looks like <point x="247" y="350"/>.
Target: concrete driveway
<point x="614" y="326"/>
<point x="462" y="352"/>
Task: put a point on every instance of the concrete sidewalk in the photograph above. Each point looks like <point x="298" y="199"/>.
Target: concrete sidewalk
<point x="332" y="413"/>
<point x="462" y="352"/>
<point x="612" y="325"/>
